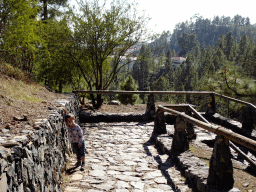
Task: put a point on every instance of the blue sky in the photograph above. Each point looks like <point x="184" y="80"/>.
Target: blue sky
<point x="165" y="14"/>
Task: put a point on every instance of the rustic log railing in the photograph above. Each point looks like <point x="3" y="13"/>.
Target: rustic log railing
<point x="220" y="163"/>
<point x="165" y="93"/>
<point x="242" y="140"/>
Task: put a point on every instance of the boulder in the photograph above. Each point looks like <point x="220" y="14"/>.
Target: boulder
<point x="114" y="102"/>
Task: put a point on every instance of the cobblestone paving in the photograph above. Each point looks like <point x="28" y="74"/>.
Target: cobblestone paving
<point x="121" y="159"/>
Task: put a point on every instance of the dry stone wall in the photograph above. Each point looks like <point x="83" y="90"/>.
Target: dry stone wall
<point x="35" y="160"/>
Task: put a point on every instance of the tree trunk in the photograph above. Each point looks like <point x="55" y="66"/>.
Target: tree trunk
<point x="60" y="86"/>
<point x="45" y="10"/>
<point x="99" y="101"/>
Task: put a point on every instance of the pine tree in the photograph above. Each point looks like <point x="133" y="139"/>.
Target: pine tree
<point x="128" y="85"/>
<point x="242" y="45"/>
<point x="229" y="42"/>
<point x="141" y="67"/>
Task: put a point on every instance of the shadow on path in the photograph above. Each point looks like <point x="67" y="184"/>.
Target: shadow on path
<point x="164" y="166"/>
<point x="161" y="166"/>
<point x="72" y="170"/>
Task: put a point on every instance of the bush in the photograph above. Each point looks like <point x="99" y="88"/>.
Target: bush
<point x="10" y="71"/>
<point x="128" y="85"/>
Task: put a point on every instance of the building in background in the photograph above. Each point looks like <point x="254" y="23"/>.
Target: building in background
<point x="177" y="61"/>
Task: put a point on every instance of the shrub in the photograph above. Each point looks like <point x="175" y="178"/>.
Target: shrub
<point x="10" y="71"/>
<point x="128" y="85"/>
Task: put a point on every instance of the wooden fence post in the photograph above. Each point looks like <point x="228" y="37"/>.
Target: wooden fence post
<point x="160" y="126"/>
<point x="247" y="121"/>
<point x="221" y="168"/>
<point x="190" y="127"/>
<point x="211" y="110"/>
<point x="151" y="108"/>
<point x="180" y="141"/>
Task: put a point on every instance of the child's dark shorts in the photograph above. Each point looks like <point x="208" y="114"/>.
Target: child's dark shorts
<point x="80" y="152"/>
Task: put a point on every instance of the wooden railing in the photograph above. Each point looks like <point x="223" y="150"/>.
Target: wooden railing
<point x="221" y="153"/>
<point x="242" y="140"/>
<point x="165" y="93"/>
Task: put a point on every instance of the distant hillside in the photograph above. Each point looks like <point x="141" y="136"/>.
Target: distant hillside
<point x="207" y="31"/>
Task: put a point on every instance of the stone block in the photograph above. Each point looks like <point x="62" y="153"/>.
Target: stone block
<point x="3" y="165"/>
<point x="10" y="170"/>
<point x="3" y="182"/>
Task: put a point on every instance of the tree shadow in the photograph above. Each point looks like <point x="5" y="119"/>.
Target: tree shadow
<point x="164" y="166"/>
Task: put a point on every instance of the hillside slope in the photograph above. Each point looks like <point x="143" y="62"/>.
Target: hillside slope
<point x="21" y="103"/>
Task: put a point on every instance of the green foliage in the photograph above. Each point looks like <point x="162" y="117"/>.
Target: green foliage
<point x="142" y="67"/>
<point x="188" y="42"/>
<point x="103" y="34"/>
<point x="128" y="85"/>
<point x="161" y="84"/>
<point x="55" y="67"/>
<point x="10" y="71"/>
<point x="19" y="32"/>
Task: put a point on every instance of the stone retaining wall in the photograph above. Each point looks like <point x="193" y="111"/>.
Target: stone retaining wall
<point x="35" y="160"/>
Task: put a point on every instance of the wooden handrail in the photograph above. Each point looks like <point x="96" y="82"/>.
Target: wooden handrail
<point x="230" y="135"/>
<point x="143" y="92"/>
<point x="164" y="93"/>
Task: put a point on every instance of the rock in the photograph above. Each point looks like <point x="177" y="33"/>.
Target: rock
<point x="245" y="184"/>
<point x="3" y="153"/>
<point x="106" y="186"/>
<point x="137" y="185"/>
<point x="19" y="118"/>
<point x="5" y="130"/>
<point x="97" y="173"/>
<point x="8" y="126"/>
<point x="114" y="102"/>
<point x="3" y="182"/>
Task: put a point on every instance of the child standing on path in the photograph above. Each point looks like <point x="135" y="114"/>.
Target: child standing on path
<point x="76" y="139"/>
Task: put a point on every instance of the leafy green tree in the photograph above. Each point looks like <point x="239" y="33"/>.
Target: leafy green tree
<point x="102" y="36"/>
<point x="19" y="37"/>
<point x="160" y="64"/>
<point x="128" y="85"/>
<point x="246" y="59"/>
<point x="242" y="46"/>
<point x="218" y="58"/>
<point x="55" y="67"/>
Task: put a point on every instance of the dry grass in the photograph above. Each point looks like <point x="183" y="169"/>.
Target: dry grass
<point x="18" y="99"/>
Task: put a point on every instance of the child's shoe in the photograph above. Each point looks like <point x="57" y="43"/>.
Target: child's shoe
<point x="82" y="166"/>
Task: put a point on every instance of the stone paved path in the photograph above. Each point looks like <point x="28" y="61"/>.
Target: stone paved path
<point x="121" y="159"/>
